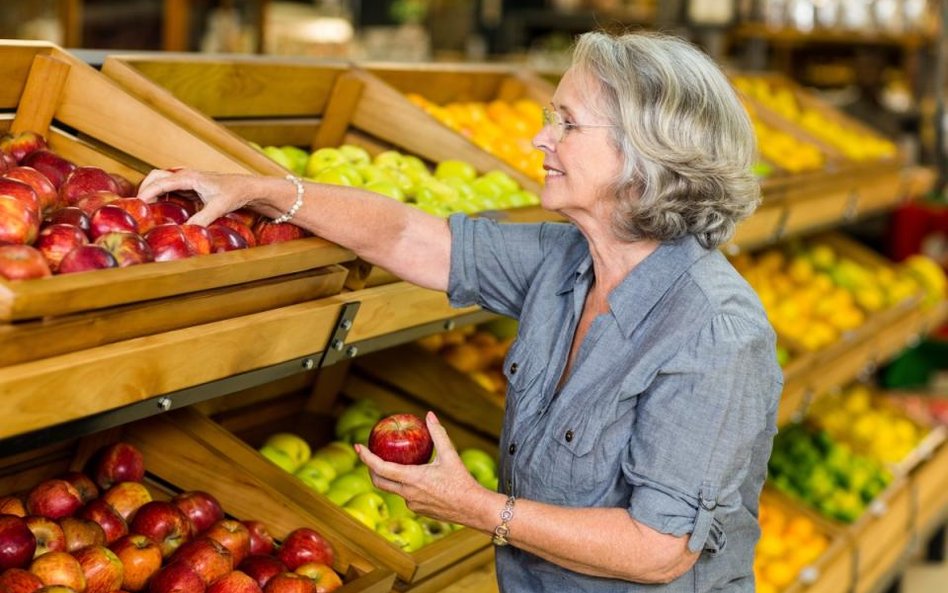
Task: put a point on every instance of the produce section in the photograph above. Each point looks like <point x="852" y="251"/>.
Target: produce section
<point x="282" y="339"/>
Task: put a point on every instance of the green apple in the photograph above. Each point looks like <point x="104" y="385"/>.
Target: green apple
<point x="397" y="507"/>
<point x="361" y="517"/>
<point x="357" y="415"/>
<point x="294" y="446"/>
<point x="371" y="173"/>
<point x="506" y="182"/>
<point x="433" y="529"/>
<point x="481" y="465"/>
<point x="277" y="155"/>
<point x="521" y="198"/>
<point x="324" y="158"/>
<point x="339" y="175"/>
<point x="454" y="168"/>
<point x="412" y="164"/>
<point x="297" y="156"/>
<point x="486" y="187"/>
<point x="355" y="154"/>
<point x="339" y="454"/>
<point x="279" y="458"/>
<point x="346" y="486"/>
<point x="386" y="188"/>
<point x="391" y="159"/>
<point x="370" y="504"/>
<point x="436" y="192"/>
<point x="462" y="186"/>
<point x="317" y="474"/>
<point x="404" y="532"/>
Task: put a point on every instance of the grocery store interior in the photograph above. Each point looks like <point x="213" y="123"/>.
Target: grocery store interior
<point x="246" y="365"/>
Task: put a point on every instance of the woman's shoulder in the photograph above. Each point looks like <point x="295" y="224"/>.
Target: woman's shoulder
<point x="726" y="293"/>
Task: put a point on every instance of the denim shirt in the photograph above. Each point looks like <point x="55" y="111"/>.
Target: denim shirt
<point x="669" y="410"/>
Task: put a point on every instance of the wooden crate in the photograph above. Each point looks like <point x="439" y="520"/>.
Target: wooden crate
<point x="64" y="99"/>
<point x="237" y="429"/>
<point x="929" y="483"/>
<point x="177" y="460"/>
<point x="882" y="534"/>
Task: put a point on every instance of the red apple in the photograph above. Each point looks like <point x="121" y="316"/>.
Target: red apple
<point x="127" y="497"/>
<point x="87" y="257"/>
<point x="235" y="224"/>
<point x="81" y="533"/>
<point x="163" y="523"/>
<point x="57" y="589"/>
<point x="245" y="215"/>
<point x="12" y="505"/>
<point x="261" y="542"/>
<point x="18" y="223"/>
<point x="91" y="202"/>
<point x="234" y="582"/>
<point x="198" y="237"/>
<point x="141" y="559"/>
<point x="19" y="580"/>
<point x="85" y="180"/>
<point x="126" y="188"/>
<point x="176" y="577"/>
<point x="268" y="233"/>
<point x="109" y="219"/>
<point x="190" y="202"/>
<point x="168" y="213"/>
<point x="59" y="568"/>
<point x="82" y="483"/>
<point x="54" y="499"/>
<point x="49" y="535"/>
<point x="233" y="535"/>
<point x="225" y="239"/>
<point x="17" y="542"/>
<point x="118" y="462"/>
<point x="103" y="570"/>
<point x="324" y="577"/>
<point x="167" y="242"/>
<point x="21" y="262"/>
<point x="139" y="211"/>
<point x="201" y="508"/>
<point x="7" y="161"/>
<point x="56" y="240"/>
<point x="401" y="438"/>
<point x="50" y="164"/>
<point x="22" y="192"/>
<point x="128" y="248"/>
<point x="207" y="557"/>
<point x="70" y="215"/>
<point x="262" y="567"/>
<point x="22" y="144"/>
<point x="305" y="545"/>
<point x="109" y="519"/>
<point x="290" y="582"/>
<point x="45" y="190"/>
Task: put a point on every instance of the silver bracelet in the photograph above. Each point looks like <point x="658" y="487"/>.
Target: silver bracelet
<point x="501" y="531"/>
<point x="286" y="216"/>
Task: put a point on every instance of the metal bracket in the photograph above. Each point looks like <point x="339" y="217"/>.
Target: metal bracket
<point x="336" y="350"/>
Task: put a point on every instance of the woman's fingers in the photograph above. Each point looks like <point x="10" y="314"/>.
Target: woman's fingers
<point x="161" y="181"/>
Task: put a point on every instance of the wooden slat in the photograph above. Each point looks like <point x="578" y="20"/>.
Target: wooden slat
<point x="14" y="69"/>
<point x="339" y="111"/>
<point x="41" y="96"/>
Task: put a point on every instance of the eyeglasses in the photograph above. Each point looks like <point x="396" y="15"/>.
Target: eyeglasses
<point x="560" y="128"/>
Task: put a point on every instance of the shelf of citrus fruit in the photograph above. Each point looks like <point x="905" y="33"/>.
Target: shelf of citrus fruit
<point x="791" y="543"/>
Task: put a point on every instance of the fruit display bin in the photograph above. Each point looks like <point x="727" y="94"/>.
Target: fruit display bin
<point x="50" y="92"/>
<point x="239" y="424"/>
<point x="177" y="461"/>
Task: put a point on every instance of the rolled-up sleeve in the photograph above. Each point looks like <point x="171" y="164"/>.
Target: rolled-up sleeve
<point x="697" y="427"/>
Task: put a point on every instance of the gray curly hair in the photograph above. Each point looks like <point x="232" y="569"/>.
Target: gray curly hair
<point x="688" y="141"/>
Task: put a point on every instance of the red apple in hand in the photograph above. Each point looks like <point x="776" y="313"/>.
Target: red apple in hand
<point x="49" y="535"/>
<point x="82" y="483"/>
<point x="81" y="533"/>
<point x="234" y="582"/>
<point x="50" y="164"/>
<point x="163" y="523"/>
<point x="22" y="262"/>
<point x="323" y="576"/>
<point x="305" y="545"/>
<point x="19" y="224"/>
<point x="290" y="582"/>
<point x="141" y="559"/>
<point x="56" y="240"/>
<point x="54" y="499"/>
<point x="127" y="497"/>
<point x="19" y="580"/>
<point x="168" y="213"/>
<point x="103" y="570"/>
<point x="191" y="204"/>
<point x="401" y="438"/>
<point x="69" y="215"/>
<point x="262" y="567"/>
<point x="233" y="535"/>
<point x="85" y="180"/>
<point x="207" y="557"/>
<point x="17" y="542"/>
<point x="12" y="505"/>
<point x="102" y="513"/>
<point x="87" y="257"/>
<point x="201" y="508"/>
<point x="59" y="568"/>
<point x="176" y="577"/>
<point x="118" y="462"/>
<point x="261" y="542"/>
<point x="45" y="190"/>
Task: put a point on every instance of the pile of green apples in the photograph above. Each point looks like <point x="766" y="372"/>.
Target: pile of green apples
<point x="453" y="185"/>
<point x="335" y="471"/>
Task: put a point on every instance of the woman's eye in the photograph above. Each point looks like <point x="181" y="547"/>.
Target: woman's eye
<point x="568" y="125"/>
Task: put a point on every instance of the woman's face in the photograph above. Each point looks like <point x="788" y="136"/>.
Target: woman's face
<point x="580" y="159"/>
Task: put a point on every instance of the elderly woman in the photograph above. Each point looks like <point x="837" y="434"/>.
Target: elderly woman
<point x="643" y="384"/>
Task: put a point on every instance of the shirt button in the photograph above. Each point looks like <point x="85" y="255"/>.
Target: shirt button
<point x="509" y="487"/>
<point x="569" y="436"/>
<point x="513" y="368"/>
<point x="512" y="448"/>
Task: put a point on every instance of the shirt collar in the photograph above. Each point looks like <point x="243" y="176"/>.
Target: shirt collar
<point x="571" y="280"/>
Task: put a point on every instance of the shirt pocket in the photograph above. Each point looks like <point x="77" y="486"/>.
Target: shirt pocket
<point x="521" y="368"/>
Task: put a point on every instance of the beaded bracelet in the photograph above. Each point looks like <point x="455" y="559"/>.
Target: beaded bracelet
<point x="286" y="216"/>
<point x="502" y="530"/>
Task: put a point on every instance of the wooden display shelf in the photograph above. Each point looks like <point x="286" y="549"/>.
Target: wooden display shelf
<point x="238" y="431"/>
<point x="177" y="460"/>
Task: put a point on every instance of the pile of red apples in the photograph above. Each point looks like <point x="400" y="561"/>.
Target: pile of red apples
<point x="60" y="218"/>
<point x="101" y="531"/>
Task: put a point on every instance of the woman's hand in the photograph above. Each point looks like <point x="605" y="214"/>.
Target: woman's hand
<point x="221" y="193"/>
<point x="443" y="489"/>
